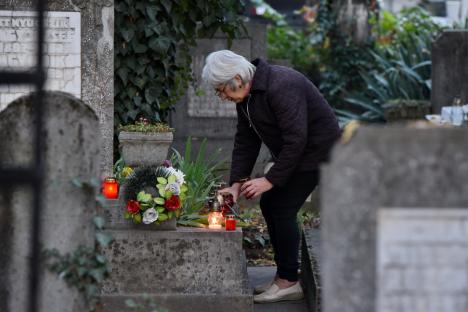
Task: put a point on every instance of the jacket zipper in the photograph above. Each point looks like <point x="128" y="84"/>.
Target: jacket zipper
<point x="251" y="124"/>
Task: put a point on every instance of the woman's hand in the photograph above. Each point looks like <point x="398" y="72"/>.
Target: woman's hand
<point x="255" y="187"/>
<point x="234" y="189"/>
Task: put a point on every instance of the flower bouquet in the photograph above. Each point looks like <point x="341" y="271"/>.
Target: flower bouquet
<point x="154" y="194"/>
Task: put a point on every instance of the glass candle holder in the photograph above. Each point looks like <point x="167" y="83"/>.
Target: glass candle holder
<point x="110" y="188"/>
<point x="215" y="220"/>
<point x="230" y="222"/>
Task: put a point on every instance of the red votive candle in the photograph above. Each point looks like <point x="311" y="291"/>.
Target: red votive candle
<point x="230" y="223"/>
<point x="110" y="188"/>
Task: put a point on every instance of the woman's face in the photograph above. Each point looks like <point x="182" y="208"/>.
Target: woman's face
<point x="225" y="92"/>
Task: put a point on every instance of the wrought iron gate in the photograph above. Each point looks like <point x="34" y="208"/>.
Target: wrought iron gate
<point x="33" y="176"/>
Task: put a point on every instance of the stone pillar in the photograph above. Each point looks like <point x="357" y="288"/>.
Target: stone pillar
<point x="78" y="55"/>
<point x="449" y="68"/>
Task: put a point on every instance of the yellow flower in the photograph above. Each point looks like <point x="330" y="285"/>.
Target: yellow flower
<point x="126" y="171"/>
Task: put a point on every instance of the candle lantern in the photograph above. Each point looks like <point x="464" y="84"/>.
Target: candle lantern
<point x="110" y="188"/>
<point x="215" y="218"/>
<point x="230" y="222"/>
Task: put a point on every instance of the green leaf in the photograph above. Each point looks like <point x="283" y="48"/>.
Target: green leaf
<point x="171" y="179"/>
<point x="137" y="218"/>
<point x="127" y="215"/>
<point x="99" y="222"/>
<point x="127" y="34"/>
<point x="131" y="304"/>
<point x="167" y="195"/>
<point x="151" y="11"/>
<point x="103" y="239"/>
<point x="162" y="180"/>
<point x="161" y="209"/>
<point x="143" y="197"/>
<point x="152" y="94"/>
<point x="167" y="5"/>
<point x="162" y="192"/>
<point x="170" y="214"/>
<point x="160" y="44"/>
<point x="162" y="217"/>
<point x="159" y="200"/>
<point x="76" y="182"/>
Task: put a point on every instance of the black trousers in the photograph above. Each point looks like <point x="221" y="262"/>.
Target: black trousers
<point x="279" y="208"/>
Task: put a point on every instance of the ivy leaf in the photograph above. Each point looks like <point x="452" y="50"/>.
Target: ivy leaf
<point x="99" y="222"/>
<point x="152" y="94"/>
<point x="151" y="11"/>
<point x="140" y="48"/>
<point x="76" y="182"/>
<point x="103" y="239"/>
<point x="123" y="74"/>
<point x="131" y="304"/>
<point x="167" y="5"/>
<point x="160" y="44"/>
<point x="127" y="34"/>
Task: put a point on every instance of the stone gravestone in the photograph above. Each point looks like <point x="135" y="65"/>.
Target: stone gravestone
<point x="78" y="55"/>
<point x="395" y="220"/>
<point x="202" y="114"/>
<point x="71" y="152"/>
<point x="449" y="68"/>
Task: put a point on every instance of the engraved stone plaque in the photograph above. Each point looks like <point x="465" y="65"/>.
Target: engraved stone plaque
<point x="62" y="51"/>
<point x="422" y="260"/>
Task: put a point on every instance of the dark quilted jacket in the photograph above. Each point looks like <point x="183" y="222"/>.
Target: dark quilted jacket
<point x="287" y="112"/>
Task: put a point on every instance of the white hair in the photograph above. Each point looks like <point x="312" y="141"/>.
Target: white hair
<point x="222" y="66"/>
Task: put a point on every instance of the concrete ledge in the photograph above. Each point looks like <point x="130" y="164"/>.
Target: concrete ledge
<point x="183" y="303"/>
<point x="310" y="267"/>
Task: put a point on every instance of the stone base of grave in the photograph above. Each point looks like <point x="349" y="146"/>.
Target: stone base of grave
<point x="187" y="269"/>
<point x="310" y="262"/>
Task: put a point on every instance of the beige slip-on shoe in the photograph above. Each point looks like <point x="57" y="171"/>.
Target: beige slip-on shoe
<point x="263" y="287"/>
<point x="275" y="294"/>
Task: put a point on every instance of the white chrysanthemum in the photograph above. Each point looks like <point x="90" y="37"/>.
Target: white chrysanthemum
<point x="174" y="188"/>
<point x="150" y="215"/>
<point x="178" y="174"/>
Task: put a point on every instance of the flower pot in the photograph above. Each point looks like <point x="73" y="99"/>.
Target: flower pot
<point x="144" y="149"/>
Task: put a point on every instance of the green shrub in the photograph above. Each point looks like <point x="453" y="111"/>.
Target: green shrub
<point x="153" y="39"/>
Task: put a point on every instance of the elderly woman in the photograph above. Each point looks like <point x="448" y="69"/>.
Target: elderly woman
<point x="281" y="108"/>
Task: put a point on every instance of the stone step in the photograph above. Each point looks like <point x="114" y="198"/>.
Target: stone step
<point x="182" y="302"/>
<point x="310" y="267"/>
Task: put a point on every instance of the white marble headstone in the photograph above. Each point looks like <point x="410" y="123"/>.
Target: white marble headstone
<point x="422" y="260"/>
<point x="62" y="51"/>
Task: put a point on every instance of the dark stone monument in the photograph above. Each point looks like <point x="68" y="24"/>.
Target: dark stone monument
<point x="449" y="68"/>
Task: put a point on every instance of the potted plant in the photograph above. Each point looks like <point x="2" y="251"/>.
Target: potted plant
<point x="402" y="109"/>
<point x="144" y="143"/>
